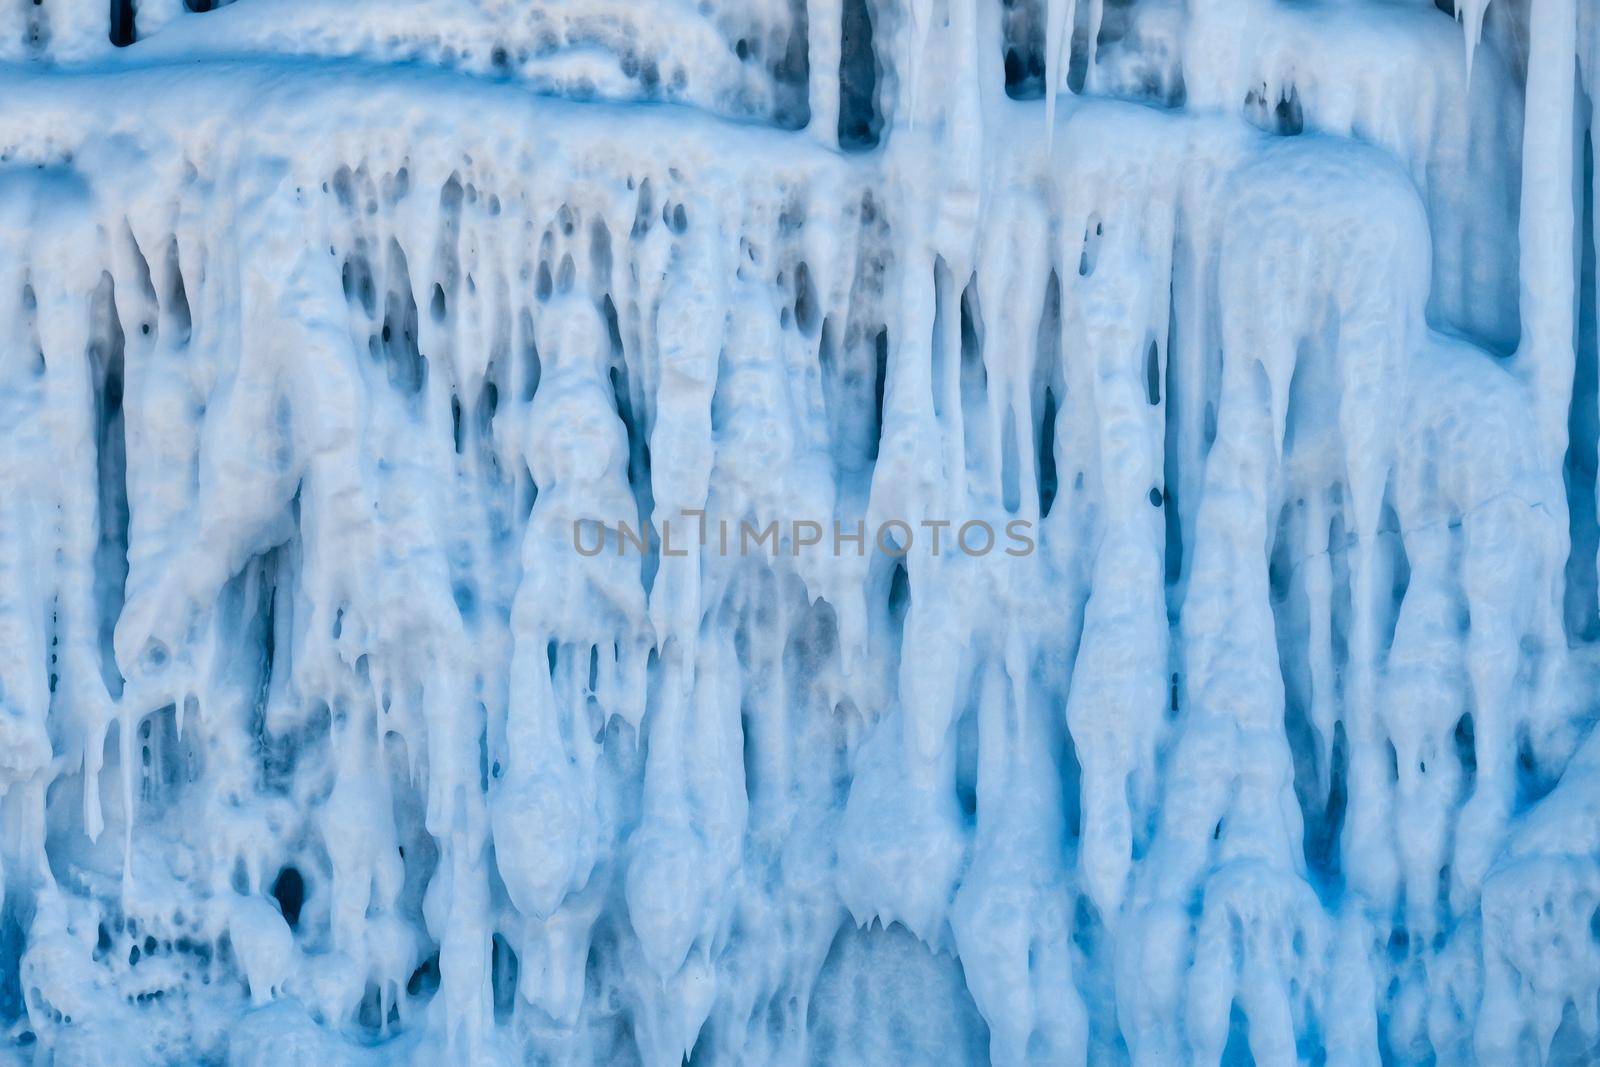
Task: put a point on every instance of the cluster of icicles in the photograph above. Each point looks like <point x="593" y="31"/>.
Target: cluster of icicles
<point x="320" y="742"/>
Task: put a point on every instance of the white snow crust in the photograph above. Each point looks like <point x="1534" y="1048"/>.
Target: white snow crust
<point x="325" y="325"/>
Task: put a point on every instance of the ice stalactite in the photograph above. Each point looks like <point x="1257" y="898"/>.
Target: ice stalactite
<point x="591" y="533"/>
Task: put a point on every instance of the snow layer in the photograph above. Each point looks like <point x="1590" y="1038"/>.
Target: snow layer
<point x="323" y="324"/>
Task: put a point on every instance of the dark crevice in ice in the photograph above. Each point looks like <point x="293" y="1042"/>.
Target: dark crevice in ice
<point x="122" y="23"/>
<point x="1582" y="605"/>
<point x="111" y="551"/>
<point x="860" y="122"/>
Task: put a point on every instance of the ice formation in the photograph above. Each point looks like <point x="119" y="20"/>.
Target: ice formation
<point x="323" y="326"/>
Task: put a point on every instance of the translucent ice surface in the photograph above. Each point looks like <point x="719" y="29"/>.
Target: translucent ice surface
<point x="861" y="532"/>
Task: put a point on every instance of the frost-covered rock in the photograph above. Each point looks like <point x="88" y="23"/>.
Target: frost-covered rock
<point x="841" y="531"/>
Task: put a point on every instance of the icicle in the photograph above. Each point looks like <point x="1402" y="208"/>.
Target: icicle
<point x="825" y="23"/>
<point x="1470" y="13"/>
<point x="1092" y="39"/>
<point x="921" y="12"/>
<point x="1057" y="56"/>
<point x="1548" y="259"/>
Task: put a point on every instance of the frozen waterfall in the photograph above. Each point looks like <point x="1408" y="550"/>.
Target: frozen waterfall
<point x="860" y="532"/>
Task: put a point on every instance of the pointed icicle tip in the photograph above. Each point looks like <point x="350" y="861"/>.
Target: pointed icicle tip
<point x="1470" y="13"/>
<point x="1058" y="31"/>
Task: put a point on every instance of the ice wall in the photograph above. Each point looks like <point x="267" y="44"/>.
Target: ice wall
<point x="322" y="324"/>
